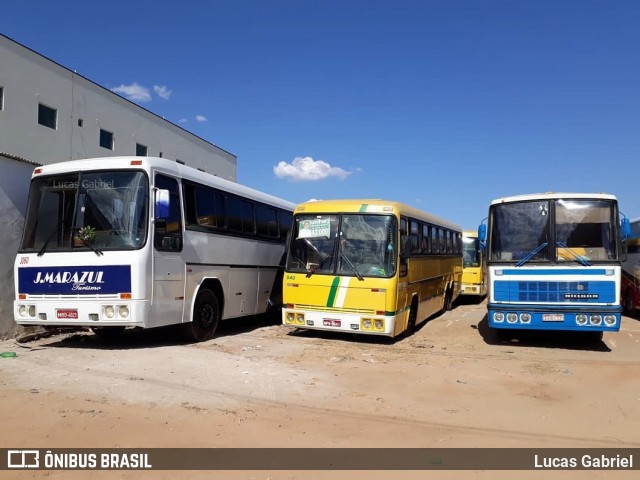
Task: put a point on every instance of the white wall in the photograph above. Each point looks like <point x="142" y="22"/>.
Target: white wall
<point x="29" y="79"/>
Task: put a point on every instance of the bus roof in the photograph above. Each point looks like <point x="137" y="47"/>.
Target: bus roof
<point x="553" y="196"/>
<point x="360" y="205"/>
<point x="163" y="165"/>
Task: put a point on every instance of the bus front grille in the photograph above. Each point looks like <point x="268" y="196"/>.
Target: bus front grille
<point x="559" y="292"/>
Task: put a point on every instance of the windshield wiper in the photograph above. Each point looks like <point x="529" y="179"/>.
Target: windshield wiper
<point x="352" y="266"/>
<point x="311" y="272"/>
<point x="46" y="242"/>
<point x="579" y="258"/>
<point x="90" y="245"/>
<point x="531" y="254"/>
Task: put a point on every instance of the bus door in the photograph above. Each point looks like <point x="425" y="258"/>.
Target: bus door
<point x="168" y="262"/>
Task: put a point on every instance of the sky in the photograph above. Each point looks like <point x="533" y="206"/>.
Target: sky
<point x="443" y="105"/>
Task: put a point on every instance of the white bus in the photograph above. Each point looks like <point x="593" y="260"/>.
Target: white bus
<point x="120" y="242"/>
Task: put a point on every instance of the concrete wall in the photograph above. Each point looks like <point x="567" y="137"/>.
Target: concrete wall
<point x="29" y="79"/>
<point x="13" y="207"/>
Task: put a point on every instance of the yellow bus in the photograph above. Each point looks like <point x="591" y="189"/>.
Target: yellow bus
<point x="373" y="267"/>
<point x="474" y="272"/>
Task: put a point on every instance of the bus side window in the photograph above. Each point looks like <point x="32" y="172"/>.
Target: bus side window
<point x="168" y="218"/>
<point x="414" y="237"/>
<point x="404" y="246"/>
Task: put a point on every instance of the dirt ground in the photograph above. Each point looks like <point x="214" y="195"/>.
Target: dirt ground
<point x="261" y="384"/>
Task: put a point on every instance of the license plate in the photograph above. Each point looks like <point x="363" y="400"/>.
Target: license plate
<point x="553" y="317"/>
<point x="331" y="323"/>
<point x="67" y="314"/>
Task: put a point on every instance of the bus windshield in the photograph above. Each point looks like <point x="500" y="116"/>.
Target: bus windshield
<point x="108" y="208"/>
<point x="349" y="244"/>
<point x="561" y="230"/>
<point x="470" y="252"/>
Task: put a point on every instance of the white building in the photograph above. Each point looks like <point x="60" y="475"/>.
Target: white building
<point x="50" y="114"/>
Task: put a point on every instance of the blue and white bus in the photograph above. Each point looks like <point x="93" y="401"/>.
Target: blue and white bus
<point x="554" y="262"/>
<point x="120" y="242"/>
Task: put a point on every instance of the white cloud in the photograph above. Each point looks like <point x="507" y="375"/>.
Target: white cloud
<point x="183" y="120"/>
<point x="308" y="169"/>
<point x="201" y="118"/>
<point x="162" y="91"/>
<point x="133" y="92"/>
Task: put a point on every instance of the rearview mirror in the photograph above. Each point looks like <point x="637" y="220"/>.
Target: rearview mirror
<point x="162" y="203"/>
<point x="482" y="236"/>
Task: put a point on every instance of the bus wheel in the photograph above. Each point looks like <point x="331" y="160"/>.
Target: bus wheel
<point x="595" y="336"/>
<point x="629" y="307"/>
<point x="448" y="300"/>
<point x="108" y="333"/>
<point x="206" y="315"/>
<point x="501" y="334"/>
<point x="413" y="315"/>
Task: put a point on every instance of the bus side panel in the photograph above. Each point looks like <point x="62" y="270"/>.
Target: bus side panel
<point x="429" y="278"/>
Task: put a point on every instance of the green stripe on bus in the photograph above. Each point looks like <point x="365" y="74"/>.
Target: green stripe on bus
<point x="400" y="311"/>
<point x="333" y="291"/>
<point x="363" y="207"/>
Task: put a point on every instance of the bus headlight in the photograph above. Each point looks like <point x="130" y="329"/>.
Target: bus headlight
<point x="290" y="317"/>
<point x="123" y="311"/>
<point x="512" y="317"/>
<point x="379" y="324"/>
<point x="366" y="324"/>
<point x="610" y="320"/>
<point x="22" y="311"/>
<point x="525" y="318"/>
<point x="32" y="310"/>
<point x="595" y="320"/>
<point x="498" y="317"/>
<point x="300" y="318"/>
<point x="581" y="319"/>
<point x="109" y="311"/>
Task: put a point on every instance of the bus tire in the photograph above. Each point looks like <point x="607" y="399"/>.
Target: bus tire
<point x="206" y="316"/>
<point x="595" y="336"/>
<point x="108" y="333"/>
<point x="413" y="316"/>
<point x="448" y="300"/>
<point x="500" y="335"/>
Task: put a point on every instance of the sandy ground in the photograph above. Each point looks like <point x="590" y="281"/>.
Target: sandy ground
<point x="260" y="384"/>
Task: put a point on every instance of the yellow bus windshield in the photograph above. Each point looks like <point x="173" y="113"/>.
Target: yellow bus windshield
<point x="470" y="252"/>
<point x="348" y="244"/>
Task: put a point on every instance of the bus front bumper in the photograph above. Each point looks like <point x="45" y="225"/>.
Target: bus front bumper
<point x="598" y="318"/>
<point x="87" y="313"/>
<point x="382" y="325"/>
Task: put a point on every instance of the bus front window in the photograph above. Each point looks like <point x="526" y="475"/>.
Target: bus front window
<point x="112" y="205"/>
<point x="367" y="245"/>
<point x="520" y="232"/>
<point x="313" y="244"/>
<point x="470" y="252"/>
<point x="585" y="229"/>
